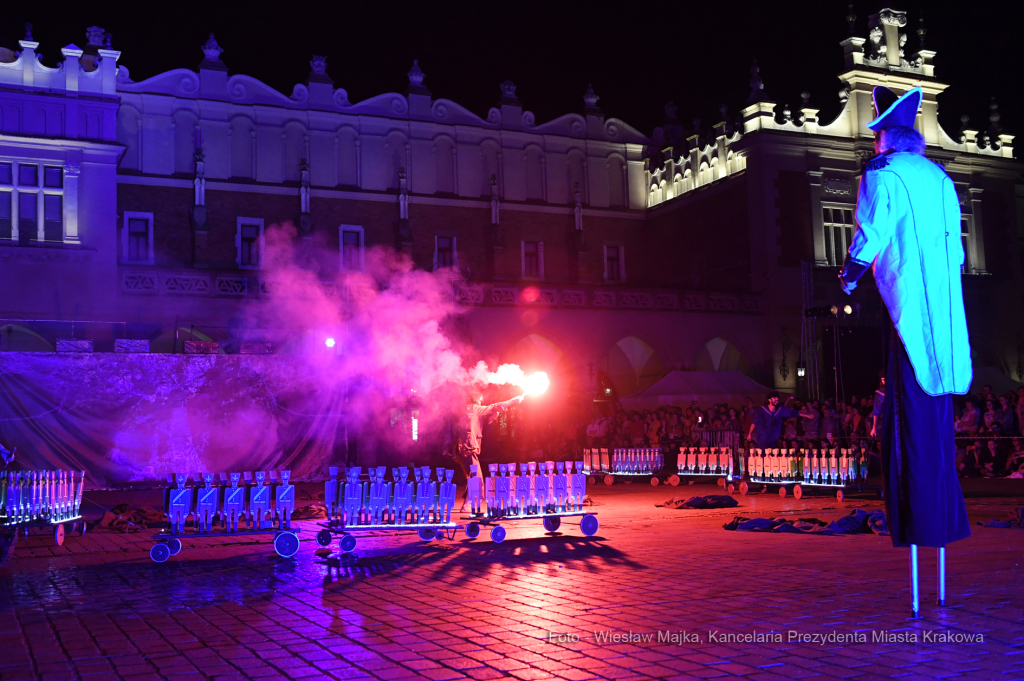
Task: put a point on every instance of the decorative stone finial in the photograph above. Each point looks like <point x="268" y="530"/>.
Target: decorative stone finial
<point x="964" y="121"/>
<point x="108" y="38"/>
<point x="212" y="50"/>
<point x="921" y="31"/>
<point x="670" y="111"/>
<point x="805" y="97"/>
<point x="787" y="114"/>
<point x="28" y="33"/>
<point x="851" y="19"/>
<point x="508" y="92"/>
<point x="590" y="97"/>
<point x="994" y="128"/>
<point x="757" y="93"/>
<point x="319" y="65"/>
<point x="416" y="74"/>
<point x="723" y="110"/>
<point x="95" y="36"/>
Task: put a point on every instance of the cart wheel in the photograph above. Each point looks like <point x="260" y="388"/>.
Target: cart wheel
<point x="655" y="482"/>
<point x="426" y="533"/>
<point x="497" y="534"/>
<point x="473" y="530"/>
<point x="159" y="553"/>
<point x="552" y="523"/>
<point x="609" y="480"/>
<point x="673" y="480"/>
<point x="589" y="525"/>
<point x="8" y="540"/>
<point x="439" y="533"/>
<point x="174" y="546"/>
<point x="347" y="542"/>
<point x="839" y="494"/>
<point x="721" y="483"/>
<point x="782" y="492"/>
<point x="798" y="492"/>
<point x="323" y="538"/>
<point x="629" y="481"/>
<point x="744" y="488"/>
<point x="731" y="488"/>
<point x="83" y="527"/>
<point x="286" y="544"/>
<point x="592" y="480"/>
<point x="58" y="534"/>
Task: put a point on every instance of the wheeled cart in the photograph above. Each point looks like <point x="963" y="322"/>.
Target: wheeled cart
<point x="802" y="470"/>
<point x="551" y="522"/>
<point x="400" y="505"/>
<point x="34" y="499"/>
<point x="624" y="464"/>
<point x="241" y="511"/>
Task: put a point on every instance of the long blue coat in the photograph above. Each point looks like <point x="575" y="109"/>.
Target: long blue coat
<point x="908" y="219"/>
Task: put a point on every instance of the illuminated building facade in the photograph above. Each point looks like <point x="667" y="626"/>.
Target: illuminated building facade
<point x="580" y="243"/>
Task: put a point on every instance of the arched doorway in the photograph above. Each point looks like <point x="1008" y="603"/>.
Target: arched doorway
<point x="632" y="365"/>
<point x="719" y="354"/>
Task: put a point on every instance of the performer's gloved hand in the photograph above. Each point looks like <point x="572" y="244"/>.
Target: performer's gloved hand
<point x="852" y="271"/>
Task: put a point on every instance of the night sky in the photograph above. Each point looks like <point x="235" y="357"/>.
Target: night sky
<point x="638" y="55"/>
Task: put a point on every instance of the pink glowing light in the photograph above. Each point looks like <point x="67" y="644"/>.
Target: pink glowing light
<point x="511" y="374"/>
<point x="537" y="384"/>
<point x="329" y="342"/>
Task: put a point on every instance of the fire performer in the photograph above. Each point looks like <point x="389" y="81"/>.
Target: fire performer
<point x="472" y="433"/>
<point x="908" y="228"/>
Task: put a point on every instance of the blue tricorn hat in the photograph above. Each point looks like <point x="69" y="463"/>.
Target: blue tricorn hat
<point x="892" y="110"/>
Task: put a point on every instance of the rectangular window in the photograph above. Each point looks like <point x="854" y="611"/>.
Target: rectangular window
<point x="53" y="178"/>
<point x="6" y="173"/>
<point x="445" y="252"/>
<point x="350" y="249"/>
<point x="533" y="259"/>
<point x="28" y="220"/>
<point x="614" y="269"/>
<point x="837" y="222"/>
<point x="249" y="243"/>
<point x="28" y="175"/>
<point x="6" y="227"/>
<point x="53" y="217"/>
<point x="137" y="238"/>
<point x="250" y="246"/>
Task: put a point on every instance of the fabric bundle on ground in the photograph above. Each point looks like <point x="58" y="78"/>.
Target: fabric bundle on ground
<point x="1014" y="521"/>
<point x="121" y="518"/>
<point x="710" y="501"/>
<point x="858" y="522"/>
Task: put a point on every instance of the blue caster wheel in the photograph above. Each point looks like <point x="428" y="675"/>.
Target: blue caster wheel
<point x="552" y="523"/>
<point x="439" y="534"/>
<point x="497" y="534"/>
<point x="347" y="543"/>
<point x="159" y="553"/>
<point x="174" y="546"/>
<point x="589" y="525"/>
<point x="473" y="530"/>
<point x="323" y="538"/>
<point x="426" y="533"/>
<point x="286" y="544"/>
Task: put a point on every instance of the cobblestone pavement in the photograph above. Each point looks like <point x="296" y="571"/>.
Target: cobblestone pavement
<point x="533" y="607"/>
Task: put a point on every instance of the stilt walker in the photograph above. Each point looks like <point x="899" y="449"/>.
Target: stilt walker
<point x="908" y="228"/>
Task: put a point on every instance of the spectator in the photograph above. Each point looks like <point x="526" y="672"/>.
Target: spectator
<point x="969" y="421"/>
<point x="1004" y="416"/>
<point x="989" y="417"/>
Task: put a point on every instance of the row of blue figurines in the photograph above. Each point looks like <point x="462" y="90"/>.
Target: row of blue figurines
<point x="637" y="461"/>
<point x="705" y="461"/>
<point x="31" y="496"/>
<point x="400" y="501"/>
<point x="545" y="488"/>
<point x="835" y="467"/>
<point x="253" y="506"/>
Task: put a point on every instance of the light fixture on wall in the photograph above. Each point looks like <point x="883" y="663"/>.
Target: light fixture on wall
<point x="801" y="371"/>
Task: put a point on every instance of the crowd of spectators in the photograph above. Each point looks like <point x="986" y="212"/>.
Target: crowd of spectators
<point x="989" y="428"/>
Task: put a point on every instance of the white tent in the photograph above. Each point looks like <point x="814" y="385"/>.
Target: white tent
<point x="679" y="388"/>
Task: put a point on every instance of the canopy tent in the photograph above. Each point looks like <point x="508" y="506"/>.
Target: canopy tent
<point x="679" y="388"/>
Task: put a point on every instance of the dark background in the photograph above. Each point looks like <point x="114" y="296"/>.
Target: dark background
<point x="638" y="55"/>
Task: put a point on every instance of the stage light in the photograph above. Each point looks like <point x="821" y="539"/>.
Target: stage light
<point x="329" y="342"/>
<point x="801" y="372"/>
<point x="607" y="391"/>
<point x="834" y="310"/>
<point x="847" y="309"/>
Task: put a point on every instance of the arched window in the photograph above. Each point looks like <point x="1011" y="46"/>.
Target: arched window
<point x="719" y="354"/>
<point x="632" y="365"/>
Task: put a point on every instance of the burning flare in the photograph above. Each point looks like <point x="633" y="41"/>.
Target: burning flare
<point x="511" y="374"/>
